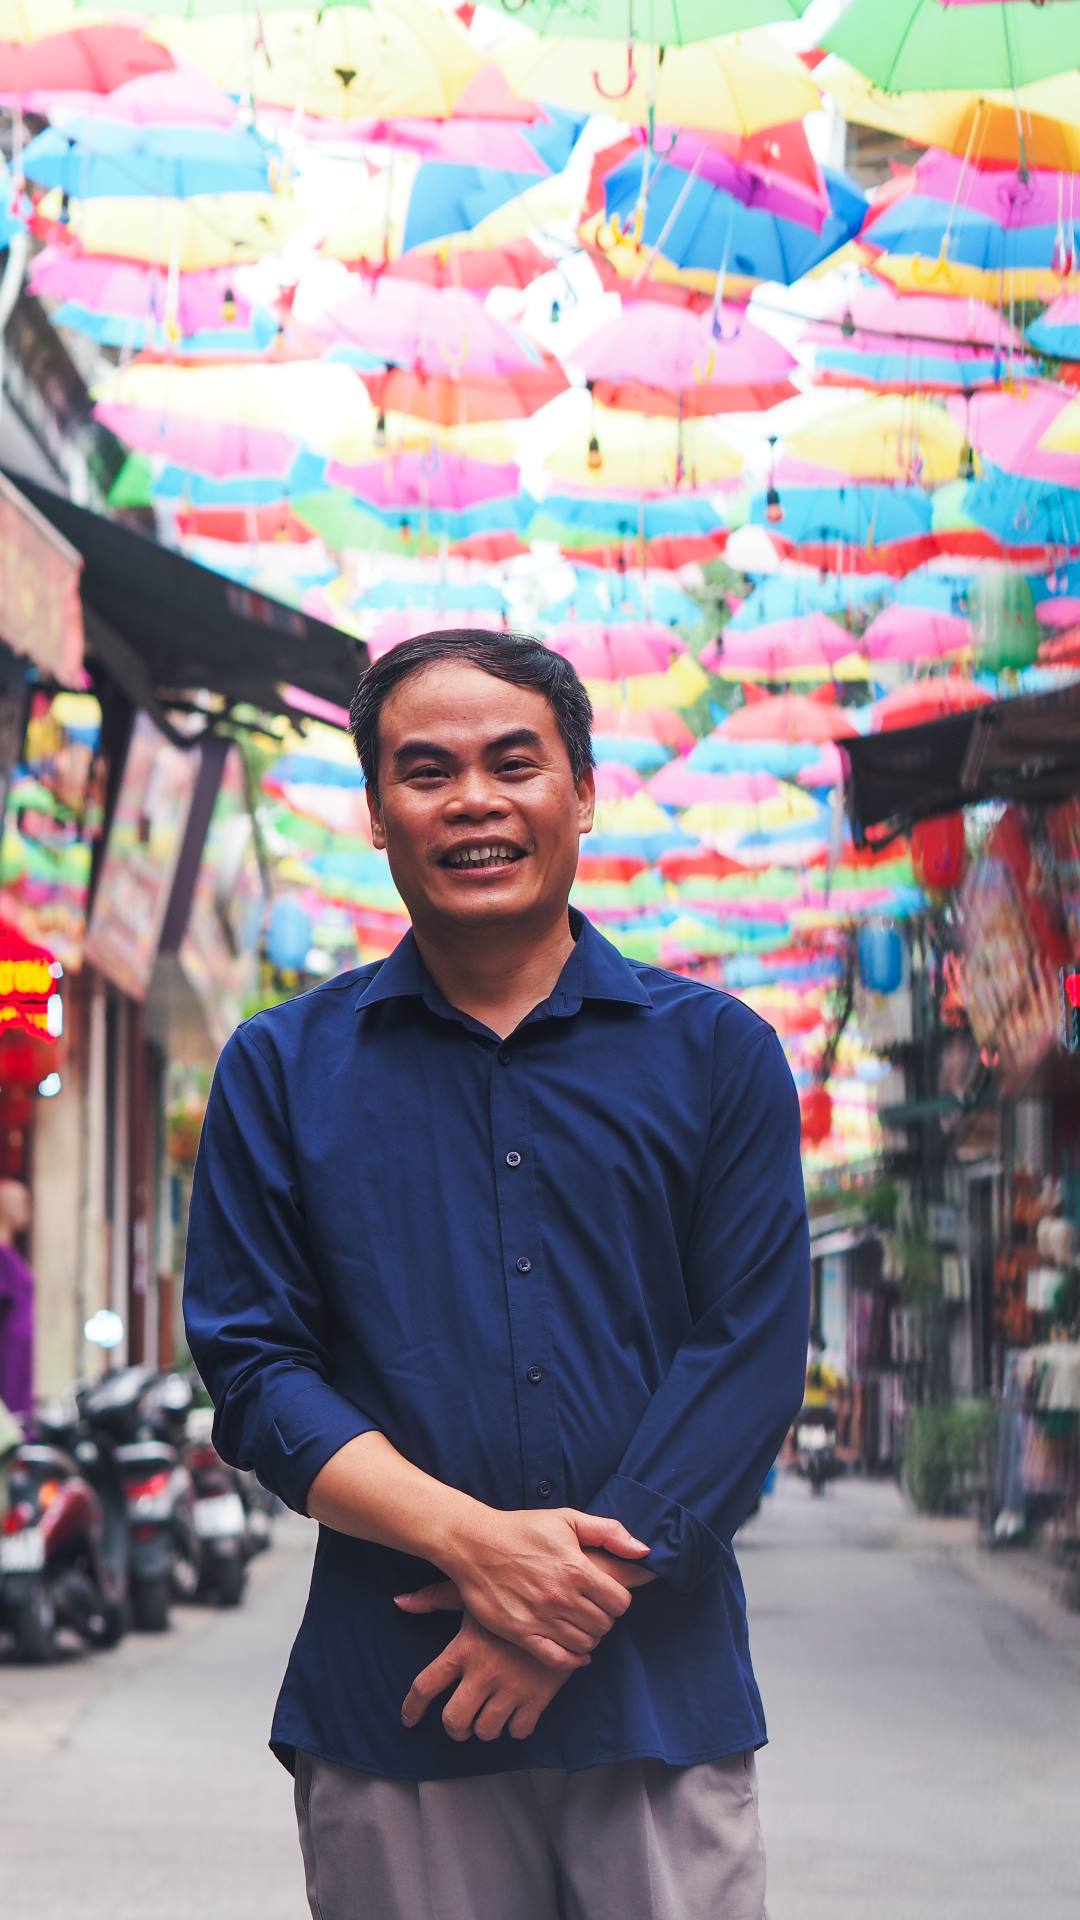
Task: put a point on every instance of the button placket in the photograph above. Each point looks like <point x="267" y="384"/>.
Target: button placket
<point x="526" y="1293"/>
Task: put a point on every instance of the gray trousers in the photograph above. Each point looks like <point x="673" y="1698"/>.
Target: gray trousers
<point x="634" y="1841"/>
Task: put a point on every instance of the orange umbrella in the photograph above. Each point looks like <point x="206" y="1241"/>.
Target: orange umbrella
<point x="920" y="700"/>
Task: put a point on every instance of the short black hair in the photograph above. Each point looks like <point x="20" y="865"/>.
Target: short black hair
<point x="516" y="657"/>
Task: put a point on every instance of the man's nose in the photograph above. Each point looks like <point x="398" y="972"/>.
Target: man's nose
<point x="475" y="793"/>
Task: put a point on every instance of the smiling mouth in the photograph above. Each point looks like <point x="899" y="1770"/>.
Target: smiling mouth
<point x="482" y="859"/>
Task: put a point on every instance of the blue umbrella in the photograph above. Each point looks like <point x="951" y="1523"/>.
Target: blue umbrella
<point x="856" y="515"/>
<point x="632" y="519"/>
<point x="612" y="597"/>
<point x="306" y="475"/>
<point x="1020" y="512"/>
<point x="919" y="225"/>
<point x="788" y="597"/>
<point x="699" y="225"/>
<point x="447" y="198"/>
<point x="91" y="158"/>
<point x="510" y="514"/>
<point x="917" y="370"/>
<point x="1056" y="333"/>
<point x="135" y="332"/>
<point x="477" y="597"/>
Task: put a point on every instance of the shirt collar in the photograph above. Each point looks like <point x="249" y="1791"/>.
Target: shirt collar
<point x="594" y="971"/>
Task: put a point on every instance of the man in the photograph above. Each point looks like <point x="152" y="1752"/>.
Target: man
<point x="16" y="1302"/>
<point x="498" y="1267"/>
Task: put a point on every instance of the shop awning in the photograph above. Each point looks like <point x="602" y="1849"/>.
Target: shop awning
<point x="161" y="623"/>
<point x="40" y="614"/>
<point x="1024" y="749"/>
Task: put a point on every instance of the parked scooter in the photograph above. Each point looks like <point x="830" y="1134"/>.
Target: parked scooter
<point x="166" y="1555"/>
<point x="815" y="1446"/>
<point x="222" y="1520"/>
<point x="65" y="1543"/>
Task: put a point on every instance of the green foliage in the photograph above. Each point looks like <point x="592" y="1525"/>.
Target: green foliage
<point x="945" y="1452"/>
<point x="917" y="1265"/>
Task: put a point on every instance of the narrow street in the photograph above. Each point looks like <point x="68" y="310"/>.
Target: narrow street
<point x="925" y="1758"/>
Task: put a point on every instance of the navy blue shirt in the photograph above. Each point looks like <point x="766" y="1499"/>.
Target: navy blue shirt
<point x="569" y="1268"/>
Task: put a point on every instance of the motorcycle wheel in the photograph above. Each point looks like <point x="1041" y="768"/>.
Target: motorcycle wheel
<point x="230" y="1582"/>
<point x="817" y="1484"/>
<point x="150" y="1604"/>
<point x="33" y="1627"/>
<point x="115" y="1621"/>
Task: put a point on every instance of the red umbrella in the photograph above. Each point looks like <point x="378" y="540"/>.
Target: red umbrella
<point x="81" y="60"/>
<point x="241" y="525"/>
<point x="667" y="551"/>
<point x="658" y="359"/>
<point x="787" y="716"/>
<point x="920" y="700"/>
<point x="517" y="264"/>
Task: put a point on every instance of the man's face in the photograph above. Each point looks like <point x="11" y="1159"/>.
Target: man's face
<point x="478" y="809"/>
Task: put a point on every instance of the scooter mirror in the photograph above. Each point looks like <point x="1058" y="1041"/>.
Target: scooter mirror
<point x="104" y="1329"/>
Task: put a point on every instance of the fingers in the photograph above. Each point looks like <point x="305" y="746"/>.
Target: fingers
<point x="428" y="1685"/>
<point x="552" y="1654"/>
<point x="465" y="1703"/>
<point x="607" y="1593"/>
<point x="441" y="1594"/>
<point x="491" y="1720"/>
<point x="594" y="1531"/>
<point x="523" y="1721"/>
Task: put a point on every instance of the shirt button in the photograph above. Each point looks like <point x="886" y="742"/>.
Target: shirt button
<point x="523" y="1263"/>
<point x="503" y="1056"/>
<point x="535" y="1375"/>
<point x="543" y="1489"/>
<point x="513" y="1159"/>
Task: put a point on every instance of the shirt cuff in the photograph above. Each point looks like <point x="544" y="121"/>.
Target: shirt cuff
<point x="309" y="1422"/>
<point x="681" y="1548"/>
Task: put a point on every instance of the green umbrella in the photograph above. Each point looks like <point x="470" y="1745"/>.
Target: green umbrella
<point x="342" y="524"/>
<point x="666" y="23"/>
<point x="921" y="46"/>
<point x="134" y="484"/>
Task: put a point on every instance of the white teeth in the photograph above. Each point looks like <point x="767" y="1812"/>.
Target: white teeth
<point x="481" y="856"/>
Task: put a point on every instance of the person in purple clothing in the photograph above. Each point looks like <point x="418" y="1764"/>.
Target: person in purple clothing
<point x="16" y="1302"/>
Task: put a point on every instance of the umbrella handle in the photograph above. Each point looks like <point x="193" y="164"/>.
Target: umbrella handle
<point x="619" y="93"/>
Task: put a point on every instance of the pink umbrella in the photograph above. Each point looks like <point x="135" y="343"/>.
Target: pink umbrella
<point x="915" y="633"/>
<point x="1037" y="199"/>
<point x="92" y="59"/>
<point x="395" y="627"/>
<point x="616" y="781"/>
<point x="826" y="771"/>
<point x="678" y="785"/>
<point x="177" y="96"/>
<point x="1006" y="428"/>
<point x="612" y="653"/>
<point x="105" y="285"/>
<point x="461" y="143"/>
<point x="661" y="724"/>
<point x="811" y="640"/>
<point x="434" y="478"/>
<point x="443" y="331"/>
<point x="662" y="359"/>
<point x="217" y="447"/>
<point x="757" y="180"/>
<point x="877" y="319"/>
<point x="787" y="716"/>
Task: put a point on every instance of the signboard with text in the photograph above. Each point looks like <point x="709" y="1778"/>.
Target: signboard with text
<point x="145" y="838"/>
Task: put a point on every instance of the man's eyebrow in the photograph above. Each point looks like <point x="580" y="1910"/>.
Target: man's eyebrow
<point x="430" y="749"/>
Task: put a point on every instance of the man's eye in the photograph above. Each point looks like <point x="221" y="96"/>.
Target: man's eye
<point x="514" y="766"/>
<point x="425" y="773"/>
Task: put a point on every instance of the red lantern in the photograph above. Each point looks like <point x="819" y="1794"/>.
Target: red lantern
<point x="816" y="1115"/>
<point x="938" y="852"/>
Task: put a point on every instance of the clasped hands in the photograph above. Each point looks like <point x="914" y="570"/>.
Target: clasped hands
<point x="538" y="1593"/>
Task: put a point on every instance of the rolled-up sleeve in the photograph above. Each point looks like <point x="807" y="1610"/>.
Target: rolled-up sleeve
<point x="256" y="1317"/>
<point x="697" y="1459"/>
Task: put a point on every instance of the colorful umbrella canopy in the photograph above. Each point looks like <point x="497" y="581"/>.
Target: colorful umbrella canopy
<point x="922" y="700"/>
<point x="81" y="60"/>
<point x="814" y="646"/>
<point x="1038" y="127"/>
<point x="434" y="478"/>
<point x="695" y="224"/>
<point x="624" y="452"/>
<point x="887" y="438"/>
<point x="1056" y="332"/>
<point x="670" y="23"/>
<point x="662" y="360"/>
<point x="910" y="45"/>
<point x="437" y="331"/>
<point x="204" y="231"/>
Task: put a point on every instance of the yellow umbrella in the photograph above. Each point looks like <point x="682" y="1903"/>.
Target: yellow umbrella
<point x="1063" y="433"/>
<point x="620" y="451"/>
<point x="312" y="400"/>
<point x="206" y="230"/>
<point x="739" y="84"/>
<point x="398" y="59"/>
<point x="680" y="686"/>
<point x="887" y="437"/>
<point x="922" y="273"/>
<point x="710" y="821"/>
<point x="1039" y="123"/>
<point x="402" y="432"/>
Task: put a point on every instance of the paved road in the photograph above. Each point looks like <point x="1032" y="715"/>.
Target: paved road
<point x="925" y="1762"/>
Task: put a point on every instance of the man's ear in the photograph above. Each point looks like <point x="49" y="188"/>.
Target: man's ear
<point x="378" y="831"/>
<point x="586" y="796"/>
